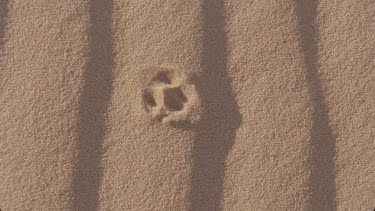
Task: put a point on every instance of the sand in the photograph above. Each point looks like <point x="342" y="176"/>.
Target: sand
<point x="187" y="105"/>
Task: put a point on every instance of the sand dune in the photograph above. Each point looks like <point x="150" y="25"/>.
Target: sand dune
<point x="187" y="105"/>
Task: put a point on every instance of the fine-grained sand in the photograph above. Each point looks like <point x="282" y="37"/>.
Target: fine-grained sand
<point x="187" y="105"/>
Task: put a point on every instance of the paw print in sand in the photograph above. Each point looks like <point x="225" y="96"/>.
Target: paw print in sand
<point x="169" y="97"/>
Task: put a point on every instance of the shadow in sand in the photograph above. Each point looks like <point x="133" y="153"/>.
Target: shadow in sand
<point x="322" y="179"/>
<point x="3" y="16"/>
<point x="221" y="118"/>
<point x="93" y="106"/>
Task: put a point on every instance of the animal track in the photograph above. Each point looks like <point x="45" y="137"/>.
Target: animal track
<point x="148" y="99"/>
<point x="174" y="99"/>
<point x="168" y="96"/>
<point x="162" y="77"/>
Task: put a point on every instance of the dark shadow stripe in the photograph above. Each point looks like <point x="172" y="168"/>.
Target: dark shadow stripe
<point x="93" y="106"/>
<point x="3" y="22"/>
<point x="322" y="179"/>
<point x="221" y="118"/>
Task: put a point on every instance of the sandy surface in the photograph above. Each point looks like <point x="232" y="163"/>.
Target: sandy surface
<point x="187" y="105"/>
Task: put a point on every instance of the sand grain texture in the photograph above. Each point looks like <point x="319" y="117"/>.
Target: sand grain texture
<point x="187" y="105"/>
<point x="43" y="57"/>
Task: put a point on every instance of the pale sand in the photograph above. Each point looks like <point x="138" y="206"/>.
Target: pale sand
<point x="187" y="105"/>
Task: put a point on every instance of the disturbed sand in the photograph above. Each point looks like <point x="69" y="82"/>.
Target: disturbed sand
<point x="187" y="105"/>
